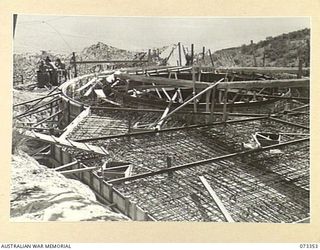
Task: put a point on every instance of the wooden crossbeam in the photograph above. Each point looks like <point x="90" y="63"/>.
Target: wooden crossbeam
<point x="158" y="93"/>
<point x="179" y="112"/>
<point x="166" y="111"/>
<point x="75" y="122"/>
<point x="89" y="83"/>
<point x="301" y="107"/>
<point x="167" y="95"/>
<point x="64" y="142"/>
<point x="109" y="61"/>
<point x="287" y="83"/>
<point x="66" y="165"/>
<point x="79" y="170"/>
<point x="190" y="100"/>
<point x="216" y="199"/>
<point x="263" y="70"/>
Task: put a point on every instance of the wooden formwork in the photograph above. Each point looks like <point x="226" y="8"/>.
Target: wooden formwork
<point x="105" y="192"/>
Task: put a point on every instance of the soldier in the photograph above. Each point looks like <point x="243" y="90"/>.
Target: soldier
<point x="61" y="69"/>
<point x="188" y="59"/>
<point x="52" y="71"/>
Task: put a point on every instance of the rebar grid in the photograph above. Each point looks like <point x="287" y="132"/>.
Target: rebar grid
<point x="263" y="187"/>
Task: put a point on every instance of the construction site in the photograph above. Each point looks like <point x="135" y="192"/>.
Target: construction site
<point x="179" y="138"/>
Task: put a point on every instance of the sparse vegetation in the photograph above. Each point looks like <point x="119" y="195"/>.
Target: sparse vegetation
<point x="281" y="51"/>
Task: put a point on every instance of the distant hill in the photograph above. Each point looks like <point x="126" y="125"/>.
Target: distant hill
<point x="26" y="64"/>
<point x="102" y="51"/>
<point x="280" y="51"/>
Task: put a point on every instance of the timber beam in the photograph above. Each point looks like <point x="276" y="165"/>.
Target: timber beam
<point x="109" y="61"/>
<point x="262" y="70"/>
<point x="66" y="142"/>
<point x="93" y="108"/>
<point x="287" y="83"/>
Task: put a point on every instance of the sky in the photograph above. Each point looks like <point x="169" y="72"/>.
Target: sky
<point x="65" y="34"/>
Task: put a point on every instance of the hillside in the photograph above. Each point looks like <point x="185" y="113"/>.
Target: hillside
<point x="26" y="64"/>
<point x="102" y="51"/>
<point x="280" y="51"/>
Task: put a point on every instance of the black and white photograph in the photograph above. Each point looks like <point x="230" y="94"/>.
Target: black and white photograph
<point x="160" y="119"/>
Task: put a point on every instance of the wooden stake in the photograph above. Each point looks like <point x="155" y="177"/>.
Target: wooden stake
<point x="216" y="199"/>
<point x="194" y="90"/>
<point x="74" y="64"/>
<point x="225" y="100"/>
<point x="213" y="100"/>
<point x="192" y="54"/>
<point x="180" y="60"/>
<point x="208" y="101"/>
<point x="211" y="58"/>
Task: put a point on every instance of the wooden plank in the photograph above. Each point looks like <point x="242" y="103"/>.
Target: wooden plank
<point x="213" y="100"/>
<point x="111" y="102"/>
<point x="179" y="50"/>
<point x="75" y="122"/>
<point x="305" y="82"/>
<point x="89" y="83"/>
<point x="66" y="165"/>
<point x="158" y="93"/>
<point x="216" y="199"/>
<point x="100" y="93"/>
<point x="166" y="111"/>
<point x="192" y="53"/>
<point x="79" y="170"/>
<point x="225" y="100"/>
<point x="109" y="61"/>
<point x="64" y="142"/>
<point x="208" y="101"/>
<point x="89" y="91"/>
<point x="265" y="84"/>
<point x="211" y="58"/>
<point x="194" y="90"/>
<point x="263" y="70"/>
<point x="192" y="99"/>
<point x="167" y="95"/>
<point x="301" y="107"/>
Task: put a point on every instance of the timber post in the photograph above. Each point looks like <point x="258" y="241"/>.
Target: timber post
<point x="73" y="59"/>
